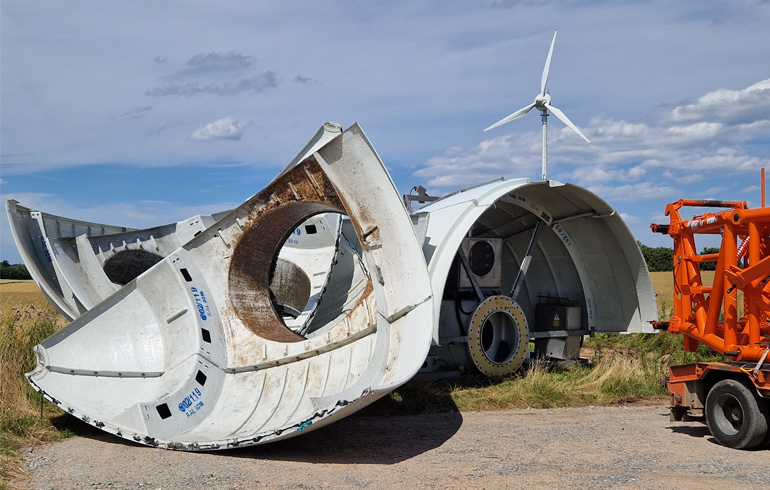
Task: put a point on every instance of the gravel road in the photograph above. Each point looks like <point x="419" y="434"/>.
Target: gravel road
<point x="593" y="447"/>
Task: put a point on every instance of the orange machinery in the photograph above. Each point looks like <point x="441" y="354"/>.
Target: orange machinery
<point x="733" y="397"/>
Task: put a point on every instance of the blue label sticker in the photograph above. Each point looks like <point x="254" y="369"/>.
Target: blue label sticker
<point x="204" y="311"/>
<point x="191" y="403"/>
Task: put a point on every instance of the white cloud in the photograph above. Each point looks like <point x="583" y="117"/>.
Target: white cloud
<point x="489" y="160"/>
<point x="228" y="128"/>
<point x="692" y="133"/>
<point x="594" y="174"/>
<point x="258" y="83"/>
<point x="221" y="61"/>
<point x="620" y="152"/>
<point x="683" y="178"/>
<point x="641" y="191"/>
<point x="712" y="191"/>
<point x="637" y="166"/>
<point x="732" y="106"/>
<point x="455" y="68"/>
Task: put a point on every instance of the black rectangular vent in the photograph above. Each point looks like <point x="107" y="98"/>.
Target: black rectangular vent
<point x="163" y="411"/>
<point x="186" y="275"/>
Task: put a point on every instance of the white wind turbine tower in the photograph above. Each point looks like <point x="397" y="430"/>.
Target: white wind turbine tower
<point x="543" y="104"/>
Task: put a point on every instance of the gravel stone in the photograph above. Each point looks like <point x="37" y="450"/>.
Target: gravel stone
<point x="634" y="447"/>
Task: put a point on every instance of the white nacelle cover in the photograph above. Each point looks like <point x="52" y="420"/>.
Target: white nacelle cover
<point x="586" y="253"/>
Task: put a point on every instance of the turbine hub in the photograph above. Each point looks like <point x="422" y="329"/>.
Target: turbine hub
<point x="541" y="100"/>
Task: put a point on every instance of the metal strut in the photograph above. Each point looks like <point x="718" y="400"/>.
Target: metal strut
<point x="527" y="260"/>
<point x="471" y="276"/>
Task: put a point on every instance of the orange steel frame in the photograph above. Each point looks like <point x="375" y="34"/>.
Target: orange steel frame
<point x="709" y="314"/>
<point x="698" y="308"/>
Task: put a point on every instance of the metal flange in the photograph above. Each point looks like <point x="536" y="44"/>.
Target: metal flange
<point x="498" y="336"/>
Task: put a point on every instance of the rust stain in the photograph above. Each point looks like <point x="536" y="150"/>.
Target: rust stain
<point x="271" y="217"/>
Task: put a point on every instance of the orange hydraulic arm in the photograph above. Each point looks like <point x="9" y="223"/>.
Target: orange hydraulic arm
<point x="710" y="314"/>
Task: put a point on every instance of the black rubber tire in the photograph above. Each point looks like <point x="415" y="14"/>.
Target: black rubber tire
<point x="735" y="416"/>
<point x="766" y="443"/>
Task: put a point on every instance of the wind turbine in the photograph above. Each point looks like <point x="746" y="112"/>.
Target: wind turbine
<point x="543" y="104"/>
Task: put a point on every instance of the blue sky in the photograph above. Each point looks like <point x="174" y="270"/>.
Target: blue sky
<point x="147" y="112"/>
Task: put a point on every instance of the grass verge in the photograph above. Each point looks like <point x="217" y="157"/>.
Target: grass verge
<point x="21" y="327"/>
<point x="622" y="369"/>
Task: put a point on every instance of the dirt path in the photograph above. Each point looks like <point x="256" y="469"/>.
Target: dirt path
<point x="594" y="447"/>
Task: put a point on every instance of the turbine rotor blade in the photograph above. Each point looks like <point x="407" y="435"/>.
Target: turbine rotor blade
<point x="513" y="116"/>
<point x="563" y="118"/>
<point x="547" y="66"/>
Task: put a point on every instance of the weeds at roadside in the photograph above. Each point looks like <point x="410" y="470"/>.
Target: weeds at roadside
<point x="622" y="369"/>
<point x="20" y="422"/>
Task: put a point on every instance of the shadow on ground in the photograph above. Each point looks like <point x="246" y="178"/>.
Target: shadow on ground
<point x="69" y="426"/>
<point x="699" y="430"/>
<point x="702" y="431"/>
<point x="414" y="419"/>
<point x="362" y="440"/>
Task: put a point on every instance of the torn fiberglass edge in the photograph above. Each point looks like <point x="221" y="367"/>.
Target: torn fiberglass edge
<point x="192" y="354"/>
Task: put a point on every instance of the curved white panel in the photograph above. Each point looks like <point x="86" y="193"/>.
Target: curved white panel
<point x="192" y="353"/>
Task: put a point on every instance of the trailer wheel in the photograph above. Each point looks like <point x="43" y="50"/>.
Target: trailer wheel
<point x="766" y="403"/>
<point x="498" y="336"/>
<point x="735" y="416"/>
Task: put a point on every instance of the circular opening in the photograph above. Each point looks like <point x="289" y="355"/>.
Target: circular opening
<point x="294" y="271"/>
<point x="254" y="260"/>
<point x="127" y="265"/>
<point x="481" y="258"/>
<point x="319" y="273"/>
<point x="499" y="337"/>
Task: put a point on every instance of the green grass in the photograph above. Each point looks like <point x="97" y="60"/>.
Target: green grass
<point x="20" y="422"/>
<point x="622" y="369"/>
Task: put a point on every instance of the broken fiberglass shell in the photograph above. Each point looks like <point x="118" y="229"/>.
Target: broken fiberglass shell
<point x="193" y="355"/>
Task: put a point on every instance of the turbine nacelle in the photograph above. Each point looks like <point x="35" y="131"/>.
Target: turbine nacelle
<point x="542" y="102"/>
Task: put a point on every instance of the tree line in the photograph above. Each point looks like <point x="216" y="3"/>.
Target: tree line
<point x="658" y="259"/>
<point x="13" y="271"/>
<point x="662" y="258"/>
